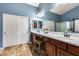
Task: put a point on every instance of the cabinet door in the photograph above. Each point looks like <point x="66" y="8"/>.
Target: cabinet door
<point x="73" y="49"/>
<point x="61" y="52"/>
<point x="50" y="49"/>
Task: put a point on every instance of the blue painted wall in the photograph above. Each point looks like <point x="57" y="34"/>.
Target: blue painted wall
<point x="52" y="16"/>
<point x="24" y="10"/>
<point x="17" y="8"/>
<point x="1" y="30"/>
<point x="68" y="16"/>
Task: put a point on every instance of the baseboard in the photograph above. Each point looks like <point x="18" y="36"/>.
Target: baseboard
<point x="1" y="48"/>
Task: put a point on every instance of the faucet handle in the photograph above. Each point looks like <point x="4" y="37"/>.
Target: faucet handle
<point x="65" y="34"/>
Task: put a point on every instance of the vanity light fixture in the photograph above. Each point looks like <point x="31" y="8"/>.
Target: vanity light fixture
<point x="40" y="14"/>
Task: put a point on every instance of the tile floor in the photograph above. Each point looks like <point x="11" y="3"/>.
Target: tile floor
<point x="18" y="50"/>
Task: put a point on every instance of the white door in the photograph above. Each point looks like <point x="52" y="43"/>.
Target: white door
<point x="8" y="30"/>
<point x="23" y="30"/>
<point x="5" y="42"/>
<point x="15" y="29"/>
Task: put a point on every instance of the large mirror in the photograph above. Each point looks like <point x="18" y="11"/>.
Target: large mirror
<point x="54" y="26"/>
<point x="64" y="26"/>
<point x="76" y="25"/>
<point x="34" y="24"/>
<point x="40" y="24"/>
<point x="49" y="24"/>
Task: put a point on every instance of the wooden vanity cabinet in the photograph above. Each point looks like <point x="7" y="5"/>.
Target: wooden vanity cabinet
<point x="55" y="47"/>
<point x="50" y="49"/>
<point x="37" y="37"/>
<point x="61" y="52"/>
<point x="73" y="49"/>
<point x="58" y="43"/>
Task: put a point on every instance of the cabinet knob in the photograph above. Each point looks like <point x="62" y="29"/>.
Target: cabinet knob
<point x="5" y="33"/>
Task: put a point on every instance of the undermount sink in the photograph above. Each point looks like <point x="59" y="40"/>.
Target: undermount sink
<point x="56" y="35"/>
<point x="74" y="38"/>
<point x="69" y="38"/>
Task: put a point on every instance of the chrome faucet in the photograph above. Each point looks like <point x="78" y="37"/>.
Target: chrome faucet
<point x="66" y="34"/>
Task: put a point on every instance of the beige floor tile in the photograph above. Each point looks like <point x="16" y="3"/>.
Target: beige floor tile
<point x="19" y="50"/>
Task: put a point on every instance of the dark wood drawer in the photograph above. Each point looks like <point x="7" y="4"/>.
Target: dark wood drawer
<point x="52" y="41"/>
<point x="73" y="49"/>
<point x="58" y="43"/>
<point x="61" y="52"/>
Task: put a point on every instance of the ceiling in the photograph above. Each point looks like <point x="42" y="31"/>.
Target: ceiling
<point x="63" y="8"/>
<point x="58" y="8"/>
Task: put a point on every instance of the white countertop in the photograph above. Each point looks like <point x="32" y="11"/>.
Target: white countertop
<point x="73" y="40"/>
